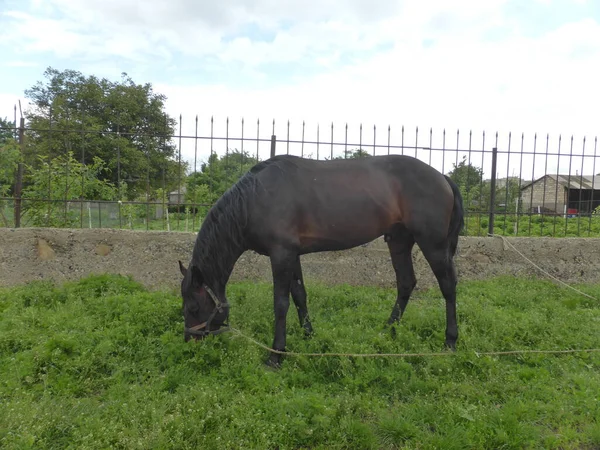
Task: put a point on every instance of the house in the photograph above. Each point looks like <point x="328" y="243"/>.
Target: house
<point x="177" y="197"/>
<point x="561" y="194"/>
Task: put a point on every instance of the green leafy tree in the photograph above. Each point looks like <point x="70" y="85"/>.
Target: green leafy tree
<point x="354" y="154"/>
<point x="469" y="180"/>
<point x="7" y="131"/>
<point x="122" y="123"/>
<point x="55" y="182"/>
<point x="217" y="175"/>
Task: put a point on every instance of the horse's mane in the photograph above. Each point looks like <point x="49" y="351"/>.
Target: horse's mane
<point x="222" y="235"/>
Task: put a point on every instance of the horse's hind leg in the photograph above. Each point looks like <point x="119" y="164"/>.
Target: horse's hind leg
<point x="299" y="296"/>
<point x="442" y="264"/>
<point x="400" y="243"/>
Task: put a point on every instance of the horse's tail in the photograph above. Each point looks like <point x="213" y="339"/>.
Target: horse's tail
<point x="457" y="220"/>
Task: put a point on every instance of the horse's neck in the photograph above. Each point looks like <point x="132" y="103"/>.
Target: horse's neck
<point x="216" y="259"/>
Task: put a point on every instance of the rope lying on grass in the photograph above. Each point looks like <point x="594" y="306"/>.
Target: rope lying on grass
<point x="506" y="241"/>
<point x="407" y="355"/>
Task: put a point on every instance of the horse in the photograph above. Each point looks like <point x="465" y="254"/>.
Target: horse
<point x="288" y="206"/>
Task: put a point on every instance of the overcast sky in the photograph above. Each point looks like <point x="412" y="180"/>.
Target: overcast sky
<point x="482" y="65"/>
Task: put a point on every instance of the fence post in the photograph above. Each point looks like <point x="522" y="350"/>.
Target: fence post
<point x="19" y="175"/>
<point x="493" y="192"/>
<point x="272" y="145"/>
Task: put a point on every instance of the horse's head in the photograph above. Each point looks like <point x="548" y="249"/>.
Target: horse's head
<point x="203" y="312"/>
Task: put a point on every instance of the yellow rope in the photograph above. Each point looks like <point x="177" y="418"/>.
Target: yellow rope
<point x="407" y="355"/>
<point x="506" y="241"/>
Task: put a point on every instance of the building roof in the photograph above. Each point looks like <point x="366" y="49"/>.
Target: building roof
<point x="572" y="181"/>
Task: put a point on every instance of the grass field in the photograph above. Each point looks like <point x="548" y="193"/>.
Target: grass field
<point x="102" y="364"/>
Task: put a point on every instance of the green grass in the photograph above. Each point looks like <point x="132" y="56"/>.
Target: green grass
<point x="102" y="364"/>
<point x="533" y="225"/>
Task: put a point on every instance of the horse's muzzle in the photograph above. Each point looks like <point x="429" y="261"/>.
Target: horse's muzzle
<point x="201" y="331"/>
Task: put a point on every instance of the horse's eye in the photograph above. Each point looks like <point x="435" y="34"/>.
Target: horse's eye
<point x="192" y="308"/>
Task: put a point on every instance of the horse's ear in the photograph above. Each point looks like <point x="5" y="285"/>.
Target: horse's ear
<point x="197" y="278"/>
<point x="182" y="269"/>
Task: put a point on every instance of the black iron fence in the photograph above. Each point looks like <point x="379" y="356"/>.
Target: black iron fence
<point x="125" y="177"/>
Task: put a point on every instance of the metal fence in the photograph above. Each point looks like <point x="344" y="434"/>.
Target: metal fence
<point x="512" y="184"/>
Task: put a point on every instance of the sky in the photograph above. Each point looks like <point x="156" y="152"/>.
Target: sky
<point x="495" y="66"/>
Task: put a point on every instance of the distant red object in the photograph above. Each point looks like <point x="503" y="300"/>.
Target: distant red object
<point x="571" y="211"/>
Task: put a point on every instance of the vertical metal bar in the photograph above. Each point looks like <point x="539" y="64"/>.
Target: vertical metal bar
<point x="287" y="150"/>
<point x="468" y="203"/>
<point x="148" y="189"/>
<point x="481" y="185"/>
<point x="581" y="190"/>
<point x="457" y="147"/>
<point x="389" y="136"/>
<point x="119" y="166"/>
<point x="196" y="207"/>
<point x="593" y="181"/>
<point x="318" y="129"/>
<point x="416" y="141"/>
<point x="331" y="155"/>
<point x="443" y="150"/>
<point x="360" y="141"/>
<point x="227" y="151"/>
<point x="179" y="174"/>
<point x="19" y="177"/>
<point x="545" y="182"/>
<point x="302" y="145"/>
<point x="66" y="197"/>
<point x="493" y="192"/>
<point x="196" y="143"/>
<point x="402" y="141"/>
<point x="519" y="205"/>
<point x="273" y="142"/>
<point x="556" y="188"/>
<point x="81" y="196"/>
<point x="257" y="138"/>
<point x="431" y="147"/>
<point x="165" y="199"/>
<point x="374" y="136"/>
<point x="508" y="181"/>
<point x="568" y="193"/>
<point x="210" y="158"/>
<point x="346" y="143"/>
<point x="49" y="214"/>
<point x="242" y="149"/>
<point x="532" y="179"/>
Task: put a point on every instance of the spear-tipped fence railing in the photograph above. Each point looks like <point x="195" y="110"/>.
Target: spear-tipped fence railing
<point x="168" y="180"/>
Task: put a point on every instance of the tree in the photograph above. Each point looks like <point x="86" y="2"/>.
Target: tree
<point x="217" y="175"/>
<point x="354" y="154"/>
<point x="122" y="123"/>
<point x="468" y="178"/>
<point x="57" y="181"/>
<point x="6" y="131"/>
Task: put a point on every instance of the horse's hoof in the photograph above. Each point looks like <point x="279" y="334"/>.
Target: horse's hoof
<point x="393" y="332"/>
<point x="274" y="361"/>
<point x="451" y="346"/>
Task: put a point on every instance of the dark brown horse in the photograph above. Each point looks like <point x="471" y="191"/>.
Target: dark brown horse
<point x="287" y="206"/>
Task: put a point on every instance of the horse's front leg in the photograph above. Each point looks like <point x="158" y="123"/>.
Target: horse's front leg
<point x="282" y="265"/>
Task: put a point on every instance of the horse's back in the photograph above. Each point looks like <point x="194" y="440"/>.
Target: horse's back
<point x="339" y="204"/>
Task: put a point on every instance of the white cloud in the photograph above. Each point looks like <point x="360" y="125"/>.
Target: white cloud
<point x="461" y="64"/>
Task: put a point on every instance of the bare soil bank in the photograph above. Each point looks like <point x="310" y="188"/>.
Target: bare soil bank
<point x="151" y="257"/>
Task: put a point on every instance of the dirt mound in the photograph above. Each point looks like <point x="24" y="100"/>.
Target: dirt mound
<point x="151" y="257"/>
